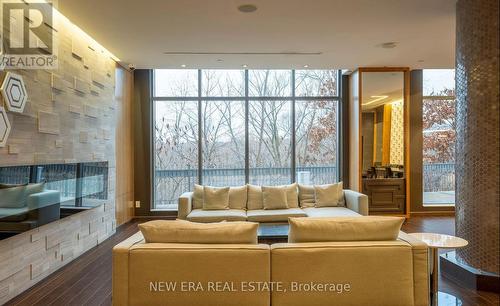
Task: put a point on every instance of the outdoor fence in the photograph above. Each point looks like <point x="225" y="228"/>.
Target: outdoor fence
<point x="439" y="177"/>
<point x="169" y="184"/>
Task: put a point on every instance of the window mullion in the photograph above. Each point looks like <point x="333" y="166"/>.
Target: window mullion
<point x="200" y="132"/>
<point x="293" y="161"/>
<point x="247" y="136"/>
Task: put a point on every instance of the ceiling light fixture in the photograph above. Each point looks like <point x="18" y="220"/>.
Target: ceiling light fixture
<point x="375" y="99"/>
<point x="183" y="66"/>
<point x="244" y="66"/>
<point x="306" y="66"/>
<point x="389" y="45"/>
<point x="247" y="8"/>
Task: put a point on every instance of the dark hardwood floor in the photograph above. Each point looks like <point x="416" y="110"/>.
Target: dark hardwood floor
<point x="87" y="280"/>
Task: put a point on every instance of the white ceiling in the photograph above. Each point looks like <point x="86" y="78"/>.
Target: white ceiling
<point x="346" y="33"/>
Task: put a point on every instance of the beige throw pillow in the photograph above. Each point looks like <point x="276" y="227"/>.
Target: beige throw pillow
<point x="274" y="197"/>
<point x="215" y="198"/>
<point x="307" y="196"/>
<point x="238" y="197"/>
<point x="198" y="197"/>
<point x="254" y="197"/>
<point x="328" y="195"/>
<point x="364" y="228"/>
<point x="292" y="196"/>
<point x="180" y="231"/>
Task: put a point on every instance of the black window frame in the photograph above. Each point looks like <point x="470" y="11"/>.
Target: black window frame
<point x="246" y="99"/>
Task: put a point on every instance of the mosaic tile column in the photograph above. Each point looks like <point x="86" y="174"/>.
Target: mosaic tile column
<point x="478" y="147"/>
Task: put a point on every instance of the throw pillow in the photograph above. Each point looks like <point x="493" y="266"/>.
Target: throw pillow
<point x="254" y="197"/>
<point x="307" y="196"/>
<point x="363" y="228"/>
<point x="180" y="231"/>
<point x="274" y="197"/>
<point x="328" y="195"/>
<point x="198" y="197"/>
<point x="292" y="196"/>
<point x="215" y="198"/>
<point x="238" y="197"/>
<point x="14" y="197"/>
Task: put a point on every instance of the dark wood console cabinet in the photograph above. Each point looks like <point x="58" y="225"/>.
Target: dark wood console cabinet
<point x="385" y="195"/>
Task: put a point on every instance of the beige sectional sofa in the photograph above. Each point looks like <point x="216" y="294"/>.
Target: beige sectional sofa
<point x="352" y="204"/>
<point x="379" y="271"/>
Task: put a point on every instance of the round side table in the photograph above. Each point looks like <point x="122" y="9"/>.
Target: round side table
<point x="436" y="242"/>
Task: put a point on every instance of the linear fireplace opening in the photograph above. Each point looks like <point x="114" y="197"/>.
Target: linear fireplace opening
<point x="35" y="195"/>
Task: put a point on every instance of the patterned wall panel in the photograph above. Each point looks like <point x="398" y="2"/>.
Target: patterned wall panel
<point x="478" y="133"/>
<point x="4" y="127"/>
<point x="62" y="122"/>
<point x="14" y="92"/>
<point x="397" y="133"/>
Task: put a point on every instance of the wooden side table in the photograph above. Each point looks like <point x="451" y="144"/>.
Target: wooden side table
<point x="436" y="242"/>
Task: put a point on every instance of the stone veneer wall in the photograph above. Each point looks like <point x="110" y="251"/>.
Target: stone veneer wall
<point x="478" y="145"/>
<point x="70" y="117"/>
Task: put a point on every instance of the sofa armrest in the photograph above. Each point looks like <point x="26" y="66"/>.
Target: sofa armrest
<point x="44" y="198"/>
<point x="421" y="270"/>
<point x="356" y="201"/>
<point x="120" y="268"/>
<point x="185" y="205"/>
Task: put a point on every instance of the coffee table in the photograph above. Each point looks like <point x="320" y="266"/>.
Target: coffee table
<point x="436" y="242"/>
<point x="272" y="232"/>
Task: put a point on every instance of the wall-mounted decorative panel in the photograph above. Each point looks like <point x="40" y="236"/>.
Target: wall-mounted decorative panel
<point x="48" y="123"/>
<point x="59" y="124"/>
<point x="4" y="127"/>
<point x="14" y="92"/>
<point x="81" y="86"/>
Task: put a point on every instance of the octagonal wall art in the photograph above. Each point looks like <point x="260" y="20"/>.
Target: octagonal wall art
<point x="14" y="92"/>
<point x="4" y="127"/>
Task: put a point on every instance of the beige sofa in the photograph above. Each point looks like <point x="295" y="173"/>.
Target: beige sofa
<point x="355" y="204"/>
<point x="378" y="272"/>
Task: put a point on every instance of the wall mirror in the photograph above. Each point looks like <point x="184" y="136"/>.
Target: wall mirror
<point x="383" y="141"/>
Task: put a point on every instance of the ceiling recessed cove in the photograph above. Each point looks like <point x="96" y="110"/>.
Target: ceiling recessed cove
<point x="247" y="8"/>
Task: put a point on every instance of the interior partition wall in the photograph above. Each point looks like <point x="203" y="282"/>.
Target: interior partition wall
<point x="232" y="127"/>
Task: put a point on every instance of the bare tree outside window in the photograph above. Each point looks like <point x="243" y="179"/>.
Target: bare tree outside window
<point x="223" y="106"/>
<point x="439" y="131"/>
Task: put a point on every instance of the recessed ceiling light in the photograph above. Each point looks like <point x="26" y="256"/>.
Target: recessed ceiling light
<point x="244" y="66"/>
<point x="389" y="45"/>
<point x="421" y="61"/>
<point x="219" y="60"/>
<point x="183" y="66"/>
<point x="247" y="8"/>
<point x="306" y="66"/>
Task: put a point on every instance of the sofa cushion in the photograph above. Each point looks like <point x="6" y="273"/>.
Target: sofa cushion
<point x="238" y="197"/>
<point x="307" y="196"/>
<point x="200" y="215"/>
<point x="292" y="196"/>
<point x="363" y="228"/>
<point x="318" y="212"/>
<point x="14" y="197"/>
<point x="274" y="197"/>
<point x="254" y="197"/>
<point x="34" y="188"/>
<point x="274" y="215"/>
<point x="181" y="231"/>
<point x="198" y="197"/>
<point x="215" y="198"/>
<point x="329" y="195"/>
<point x="13" y="214"/>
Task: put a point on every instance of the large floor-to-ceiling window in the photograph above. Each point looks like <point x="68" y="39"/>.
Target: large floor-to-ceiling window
<point x="231" y="127"/>
<point x="439" y="137"/>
